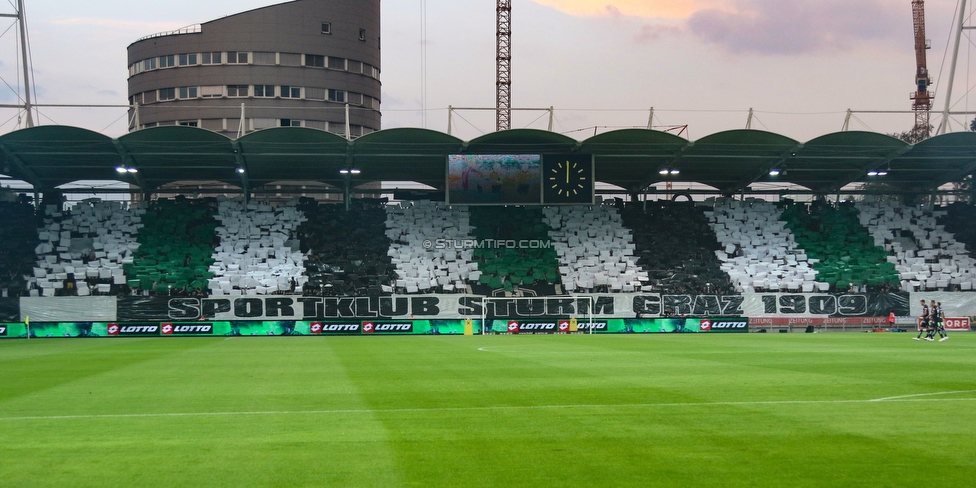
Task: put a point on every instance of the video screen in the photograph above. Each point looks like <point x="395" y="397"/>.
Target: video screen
<point x="475" y="179"/>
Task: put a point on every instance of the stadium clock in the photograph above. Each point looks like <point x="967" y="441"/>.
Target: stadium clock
<point x="567" y="179"/>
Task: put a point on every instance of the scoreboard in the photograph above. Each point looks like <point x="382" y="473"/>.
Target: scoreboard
<point x="520" y="179"/>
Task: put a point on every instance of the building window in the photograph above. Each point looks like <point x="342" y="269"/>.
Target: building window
<point x="211" y="91"/>
<point x="264" y="58"/>
<point x="312" y="93"/>
<point x="327" y="27"/>
<point x="212" y="58"/>
<point x="149" y="64"/>
<point x="362" y="35"/>
<point x="337" y="63"/>
<point x="291" y="91"/>
<point x="188" y="92"/>
<point x="337" y="96"/>
<point x="258" y="124"/>
<point x="167" y="61"/>
<point x="267" y="91"/>
<point x="235" y="57"/>
<point x="354" y="66"/>
<point x="190" y="123"/>
<point x="167" y="94"/>
<point x="237" y="90"/>
<point x="314" y="61"/>
<point x="188" y="59"/>
<point x="290" y="123"/>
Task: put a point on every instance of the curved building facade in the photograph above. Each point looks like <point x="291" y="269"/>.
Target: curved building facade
<point x="305" y="63"/>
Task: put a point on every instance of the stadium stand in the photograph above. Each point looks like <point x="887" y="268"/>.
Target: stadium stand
<point x="422" y="266"/>
<point x="82" y="251"/>
<point x="505" y="267"/>
<point x="759" y="251"/>
<point x="346" y="252"/>
<point x="676" y="248"/>
<point x="176" y="247"/>
<point x="958" y="220"/>
<point x="841" y="250"/>
<point x="18" y="239"/>
<point x="925" y="255"/>
<point x="594" y="249"/>
<point x="257" y="253"/>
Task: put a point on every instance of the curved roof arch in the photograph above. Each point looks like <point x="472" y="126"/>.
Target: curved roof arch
<point x="52" y="155"/>
<point x="631" y="158"/>
<point x="291" y="153"/>
<point x="522" y="140"/>
<point x="936" y="161"/>
<point x="177" y="153"/>
<point x="829" y="162"/>
<point x="730" y="160"/>
<point x="404" y="154"/>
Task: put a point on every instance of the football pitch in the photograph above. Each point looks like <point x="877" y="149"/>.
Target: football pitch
<point x="691" y="410"/>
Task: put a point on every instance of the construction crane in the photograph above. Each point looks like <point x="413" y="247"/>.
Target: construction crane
<point x="503" y="71"/>
<point x="922" y="98"/>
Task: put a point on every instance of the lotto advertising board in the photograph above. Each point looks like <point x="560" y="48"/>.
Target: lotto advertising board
<point x="129" y="329"/>
<point x="621" y="326"/>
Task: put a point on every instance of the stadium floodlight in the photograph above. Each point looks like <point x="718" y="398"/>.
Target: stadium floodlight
<point x="355" y="171"/>
<point x="121" y="169"/>
<point x="663" y="172"/>
<point x="882" y="173"/>
<point x="343" y="171"/>
<point x="873" y="173"/>
<point x="675" y="171"/>
<point x="240" y="170"/>
<point x="774" y="172"/>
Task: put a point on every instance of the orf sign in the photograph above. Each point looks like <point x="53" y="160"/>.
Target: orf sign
<point x="956" y="323"/>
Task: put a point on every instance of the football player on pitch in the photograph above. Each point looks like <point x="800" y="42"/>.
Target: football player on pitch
<point x="923" y="325"/>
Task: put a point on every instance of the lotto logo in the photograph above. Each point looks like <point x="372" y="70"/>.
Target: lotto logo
<point x="167" y="329"/>
<point x="563" y="326"/>
<point x="113" y="329"/>
<point x="315" y="327"/>
<point x="368" y="327"/>
<point x="513" y="326"/>
<point x="706" y="325"/>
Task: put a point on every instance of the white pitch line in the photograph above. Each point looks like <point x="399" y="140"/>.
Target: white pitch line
<point x="470" y="409"/>
<point x="921" y="395"/>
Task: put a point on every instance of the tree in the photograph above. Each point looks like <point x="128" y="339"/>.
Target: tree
<point x="915" y="135"/>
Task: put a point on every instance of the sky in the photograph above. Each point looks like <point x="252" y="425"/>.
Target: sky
<point x="601" y="64"/>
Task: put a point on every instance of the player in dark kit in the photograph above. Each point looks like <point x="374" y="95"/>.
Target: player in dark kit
<point x="923" y="326"/>
<point x="938" y="323"/>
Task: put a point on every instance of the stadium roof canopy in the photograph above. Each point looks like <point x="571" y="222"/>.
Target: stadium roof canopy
<point x="50" y="156"/>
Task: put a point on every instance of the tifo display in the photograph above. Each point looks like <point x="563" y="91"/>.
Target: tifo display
<point x="221" y="259"/>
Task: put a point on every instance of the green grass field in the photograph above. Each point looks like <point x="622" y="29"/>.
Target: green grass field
<point x="649" y="410"/>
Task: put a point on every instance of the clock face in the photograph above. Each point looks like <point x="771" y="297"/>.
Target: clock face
<point x="568" y="179"/>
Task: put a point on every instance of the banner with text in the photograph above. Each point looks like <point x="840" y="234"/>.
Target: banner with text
<point x="602" y="306"/>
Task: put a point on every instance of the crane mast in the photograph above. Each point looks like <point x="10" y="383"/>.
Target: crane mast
<point x="503" y="59"/>
<point x="922" y="98"/>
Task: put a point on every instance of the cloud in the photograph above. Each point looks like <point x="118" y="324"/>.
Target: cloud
<point x="800" y="26"/>
<point x="672" y="9"/>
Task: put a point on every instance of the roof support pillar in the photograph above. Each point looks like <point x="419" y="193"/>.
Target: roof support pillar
<point x="31" y="176"/>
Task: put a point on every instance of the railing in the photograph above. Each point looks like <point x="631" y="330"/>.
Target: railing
<point x="190" y="29"/>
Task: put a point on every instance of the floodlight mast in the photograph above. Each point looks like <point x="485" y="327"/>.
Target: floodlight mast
<point x="922" y="98"/>
<point x="503" y="68"/>
<point x="25" y="59"/>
